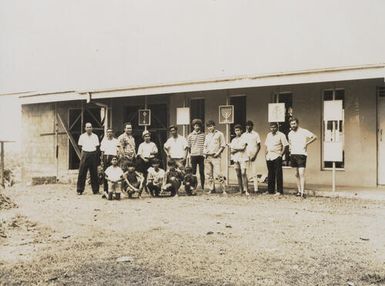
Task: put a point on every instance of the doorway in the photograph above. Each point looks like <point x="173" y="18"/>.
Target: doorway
<point x="158" y="127"/>
<point x="381" y="134"/>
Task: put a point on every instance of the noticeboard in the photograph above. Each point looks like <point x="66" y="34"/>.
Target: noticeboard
<point x="144" y="117"/>
<point x="333" y="110"/>
<point x="333" y="152"/>
<point x="226" y="114"/>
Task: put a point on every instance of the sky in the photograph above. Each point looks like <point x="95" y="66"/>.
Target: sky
<point x="58" y="45"/>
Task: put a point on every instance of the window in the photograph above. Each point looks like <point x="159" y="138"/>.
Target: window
<point x="333" y="131"/>
<point x="197" y="109"/>
<point x="239" y="103"/>
<point x="284" y="127"/>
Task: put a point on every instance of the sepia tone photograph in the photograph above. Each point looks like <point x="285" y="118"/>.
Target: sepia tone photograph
<point x="201" y="142"/>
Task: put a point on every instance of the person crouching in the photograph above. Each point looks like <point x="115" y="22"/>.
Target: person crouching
<point x="173" y="179"/>
<point x="114" y="176"/>
<point x="190" y="182"/>
<point x="134" y="181"/>
<point x="155" y="177"/>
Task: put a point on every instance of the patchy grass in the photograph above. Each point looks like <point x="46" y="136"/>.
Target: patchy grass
<point x="58" y="238"/>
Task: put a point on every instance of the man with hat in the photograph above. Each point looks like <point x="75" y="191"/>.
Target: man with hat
<point x="146" y="152"/>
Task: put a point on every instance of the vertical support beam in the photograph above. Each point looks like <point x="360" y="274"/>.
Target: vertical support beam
<point x="82" y="118"/>
<point x="145" y="107"/>
<point x="56" y="143"/>
<point x="184" y="126"/>
<point x="227" y="145"/>
<point x="2" y="165"/>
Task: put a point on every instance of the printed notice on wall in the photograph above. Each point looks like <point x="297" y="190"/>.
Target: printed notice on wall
<point x="276" y="112"/>
<point x="333" y="152"/>
<point x="183" y="116"/>
<point x="333" y="110"/>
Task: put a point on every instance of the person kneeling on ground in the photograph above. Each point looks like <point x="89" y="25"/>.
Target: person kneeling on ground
<point x="172" y="179"/>
<point x="190" y="182"/>
<point x="114" y="176"/>
<point x="134" y="180"/>
<point x="155" y="178"/>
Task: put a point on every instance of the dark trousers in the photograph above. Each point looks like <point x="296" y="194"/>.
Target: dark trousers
<point x="199" y="160"/>
<point x="274" y="168"/>
<point x="88" y="161"/>
<point x="106" y="163"/>
<point x="153" y="189"/>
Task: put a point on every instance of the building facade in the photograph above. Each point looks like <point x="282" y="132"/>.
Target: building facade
<point x="49" y="118"/>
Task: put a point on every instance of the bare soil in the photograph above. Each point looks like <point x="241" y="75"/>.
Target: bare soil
<point x="55" y="237"/>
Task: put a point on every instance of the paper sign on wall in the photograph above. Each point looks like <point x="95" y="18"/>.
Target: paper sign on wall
<point x="333" y="110"/>
<point x="183" y="116"/>
<point x="333" y="151"/>
<point x="276" y="112"/>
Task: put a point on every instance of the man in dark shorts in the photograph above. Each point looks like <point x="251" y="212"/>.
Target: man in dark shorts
<point x="299" y="139"/>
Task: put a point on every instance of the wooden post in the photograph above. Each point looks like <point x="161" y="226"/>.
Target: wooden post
<point x="145" y="107"/>
<point x="334" y="163"/>
<point x="56" y="143"/>
<point x="227" y="147"/>
<point x="2" y="165"/>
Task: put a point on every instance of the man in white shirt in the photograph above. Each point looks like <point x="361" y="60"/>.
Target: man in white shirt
<point x="253" y="145"/>
<point x="176" y="147"/>
<point x="299" y="139"/>
<point x="276" y="145"/>
<point x="109" y="149"/>
<point x="89" y="142"/>
<point x="212" y="149"/>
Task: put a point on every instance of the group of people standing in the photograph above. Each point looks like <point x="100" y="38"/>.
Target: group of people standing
<point x="131" y="171"/>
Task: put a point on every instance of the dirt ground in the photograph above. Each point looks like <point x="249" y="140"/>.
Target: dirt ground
<point x="54" y="237"/>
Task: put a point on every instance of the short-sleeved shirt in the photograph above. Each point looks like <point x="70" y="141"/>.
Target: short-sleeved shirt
<point x="213" y="142"/>
<point x="156" y="177"/>
<point x="127" y="142"/>
<point x="238" y="143"/>
<point x="145" y="149"/>
<point x="109" y="146"/>
<point x="275" y="143"/>
<point x="114" y="173"/>
<point x="252" y="140"/>
<point x="176" y="147"/>
<point x="298" y="139"/>
<point x="89" y="143"/>
<point x="196" y="142"/>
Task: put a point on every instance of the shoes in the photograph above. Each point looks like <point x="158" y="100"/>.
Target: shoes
<point x="79" y="193"/>
<point x="247" y="193"/>
<point x="277" y="194"/>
